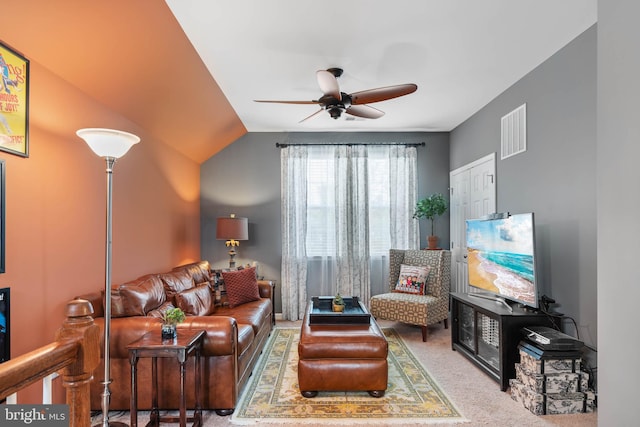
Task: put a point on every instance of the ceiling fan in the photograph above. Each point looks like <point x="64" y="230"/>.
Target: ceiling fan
<point x="336" y="102"/>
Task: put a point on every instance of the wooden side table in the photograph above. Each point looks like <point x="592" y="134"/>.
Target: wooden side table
<point x="152" y="345"/>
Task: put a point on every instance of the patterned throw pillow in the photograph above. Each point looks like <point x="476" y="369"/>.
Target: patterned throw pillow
<point x="218" y="289"/>
<point x="412" y="279"/>
<point x="241" y="286"/>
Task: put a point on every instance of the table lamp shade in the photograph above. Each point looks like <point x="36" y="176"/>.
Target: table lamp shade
<point x="232" y="228"/>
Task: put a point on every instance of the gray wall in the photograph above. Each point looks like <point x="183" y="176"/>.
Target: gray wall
<point x="555" y="178"/>
<point x="244" y="179"/>
<point x="618" y="204"/>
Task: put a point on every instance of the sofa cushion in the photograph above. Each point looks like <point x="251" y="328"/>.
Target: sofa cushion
<point x="196" y="301"/>
<point x="241" y="286"/>
<point x="254" y="313"/>
<point x="199" y="271"/>
<point x="160" y="311"/>
<point x="176" y="281"/>
<point x="137" y="297"/>
<point x="412" y="279"/>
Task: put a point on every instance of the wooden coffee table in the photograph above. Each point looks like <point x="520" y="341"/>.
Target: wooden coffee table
<point x="152" y="345"/>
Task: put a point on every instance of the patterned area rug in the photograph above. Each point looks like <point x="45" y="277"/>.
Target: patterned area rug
<point x="273" y="395"/>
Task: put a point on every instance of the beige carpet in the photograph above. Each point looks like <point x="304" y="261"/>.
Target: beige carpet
<point x="476" y="395"/>
<point x="273" y="395"/>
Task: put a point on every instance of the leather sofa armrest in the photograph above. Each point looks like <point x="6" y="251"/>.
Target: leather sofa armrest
<point x="220" y="340"/>
<point x="95" y="298"/>
<point x="221" y="337"/>
<point x="265" y="287"/>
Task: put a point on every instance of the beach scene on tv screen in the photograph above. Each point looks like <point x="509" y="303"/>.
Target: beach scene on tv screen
<point x="500" y="256"/>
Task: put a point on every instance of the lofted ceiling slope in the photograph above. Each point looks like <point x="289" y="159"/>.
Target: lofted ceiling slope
<point x="133" y="57"/>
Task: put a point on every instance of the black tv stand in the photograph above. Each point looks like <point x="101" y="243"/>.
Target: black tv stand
<point x="497" y="300"/>
<point x="488" y="334"/>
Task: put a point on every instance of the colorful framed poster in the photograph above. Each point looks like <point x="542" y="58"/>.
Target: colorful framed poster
<point x="5" y="317"/>
<point x="14" y="102"/>
<point x="2" y="215"/>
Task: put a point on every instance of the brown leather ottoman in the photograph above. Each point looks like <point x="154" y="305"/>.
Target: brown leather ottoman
<point x="342" y="357"/>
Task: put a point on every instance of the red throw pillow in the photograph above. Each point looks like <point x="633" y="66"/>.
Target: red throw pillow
<point x="241" y="286"/>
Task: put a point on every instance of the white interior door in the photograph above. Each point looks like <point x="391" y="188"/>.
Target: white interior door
<point x="472" y="195"/>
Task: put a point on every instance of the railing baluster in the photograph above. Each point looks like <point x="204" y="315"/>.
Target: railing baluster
<point x="75" y="353"/>
<point x="47" y="382"/>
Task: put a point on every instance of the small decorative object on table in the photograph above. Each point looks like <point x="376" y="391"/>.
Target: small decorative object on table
<point x="338" y="303"/>
<point x="170" y="319"/>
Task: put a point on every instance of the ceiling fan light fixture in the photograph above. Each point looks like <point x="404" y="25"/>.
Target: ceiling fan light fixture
<point x="335" y="112"/>
<point x="336" y="102"/>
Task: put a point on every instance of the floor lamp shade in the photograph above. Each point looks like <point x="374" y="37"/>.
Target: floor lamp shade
<point x="108" y="142"/>
<point x="111" y="145"/>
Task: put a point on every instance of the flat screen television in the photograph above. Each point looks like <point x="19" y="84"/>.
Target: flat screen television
<point x="501" y="258"/>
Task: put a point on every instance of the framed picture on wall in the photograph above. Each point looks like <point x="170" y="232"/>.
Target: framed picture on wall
<point x="2" y="215"/>
<point x="5" y="337"/>
<point x="14" y="102"/>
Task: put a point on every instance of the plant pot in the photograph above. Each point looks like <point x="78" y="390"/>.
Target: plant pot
<point x="169" y="331"/>
<point x="338" y="308"/>
<point x="433" y="242"/>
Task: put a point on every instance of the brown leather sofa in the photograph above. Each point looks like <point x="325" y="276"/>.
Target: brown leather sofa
<point x="234" y="339"/>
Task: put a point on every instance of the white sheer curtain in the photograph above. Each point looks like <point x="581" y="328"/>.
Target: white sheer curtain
<point x="343" y="208"/>
<point x="293" y="166"/>
<point x="350" y="257"/>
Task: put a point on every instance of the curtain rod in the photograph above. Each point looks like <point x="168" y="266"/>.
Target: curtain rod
<point x="416" y="144"/>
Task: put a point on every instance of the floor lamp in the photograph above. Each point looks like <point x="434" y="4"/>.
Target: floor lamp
<point x="111" y="145"/>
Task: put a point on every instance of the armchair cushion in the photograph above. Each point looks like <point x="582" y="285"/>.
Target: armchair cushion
<point x="417" y="257"/>
<point x="412" y="279"/>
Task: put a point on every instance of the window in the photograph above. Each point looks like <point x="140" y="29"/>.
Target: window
<point x="343" y="208"/>
<point x="321" y="201"/>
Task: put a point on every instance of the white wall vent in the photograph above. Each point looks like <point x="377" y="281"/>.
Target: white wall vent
<point x="513" y="138"/>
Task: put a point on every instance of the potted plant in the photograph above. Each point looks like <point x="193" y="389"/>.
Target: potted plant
<point x="430" y="208"/>
<point x="170" y="319"/>
<point x="338" y="303"/>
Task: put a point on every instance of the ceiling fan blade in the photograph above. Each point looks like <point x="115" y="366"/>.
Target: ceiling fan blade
<point x="328" y="84"/>
<point x="365" y="111"/>
<point x="314" y="114"/>
<point x="287" y="102"/>
<point x="382" y="93"/>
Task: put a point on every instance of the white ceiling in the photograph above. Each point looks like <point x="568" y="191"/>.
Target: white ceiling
<point x="460" y="53"/>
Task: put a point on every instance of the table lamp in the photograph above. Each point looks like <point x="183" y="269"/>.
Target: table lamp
<point x="232" y="229"/>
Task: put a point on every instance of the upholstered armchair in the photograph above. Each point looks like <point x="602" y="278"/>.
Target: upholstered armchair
<point x="423" y="309"/>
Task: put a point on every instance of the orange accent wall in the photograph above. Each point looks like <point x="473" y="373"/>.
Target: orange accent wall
<point x="55" y="211"/>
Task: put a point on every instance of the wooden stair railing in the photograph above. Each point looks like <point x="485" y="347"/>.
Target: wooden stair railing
<point x="75" y="353"/>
